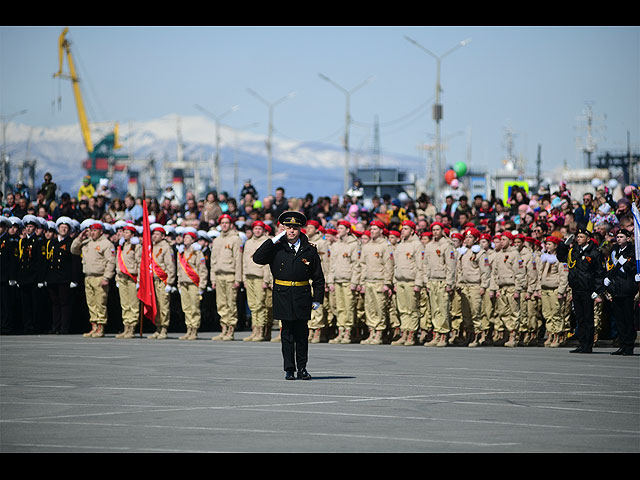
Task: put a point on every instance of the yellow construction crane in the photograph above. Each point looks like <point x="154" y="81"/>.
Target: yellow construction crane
<point x="101" y="158"/>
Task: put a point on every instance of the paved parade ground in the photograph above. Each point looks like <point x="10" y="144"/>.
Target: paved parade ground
<point x="74" y="394"/>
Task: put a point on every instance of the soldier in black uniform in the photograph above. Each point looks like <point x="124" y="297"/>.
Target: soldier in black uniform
<point x="586" y="275"/>
<point x="621" y="283"/>
<point x="293" y="262"/>
<point x="62" y="272"/>
<point x="31" y="273"/>
<point x="10" y="257"/>
<point x="6" y="253"/>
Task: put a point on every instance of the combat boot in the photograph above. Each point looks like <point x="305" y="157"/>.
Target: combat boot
<point x="513" y="340"/>
<point x="397" y="334"/>
<point x="476" y="340"/>
<point x="155" y="334"/>
<point x="229" y="335"/>
<point x="377" y="339"/>
<point x="411" y="339"/>
<point x="346" y="338"/>
<point x="259" y="336"/>
<point x="550" y="338"/>
<point x="555" y="341"/>
<point x="442" y="340"/>
<point x="163" y="333"/>
<point x="186" y="335"/>
<point x="316" y="335"/>
<point x="401" y="340"/>
<point x="338" y="337"/>
<point x="367" y="340"/>
<point x="194" y="334"/>
<point x="483" y="337"/>
<point x="99" y="331"/>
<point x="124" y="332"/>
<point x="252" y="336"/>
<point x="277" y="339"/>
<point x="453" y="336"/>
<point x="94" y="327"/>
<point x="434" y="340"/>
<point x="222" y="334"/>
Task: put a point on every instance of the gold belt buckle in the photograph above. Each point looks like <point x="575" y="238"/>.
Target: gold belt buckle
<point x="293" y="284"/>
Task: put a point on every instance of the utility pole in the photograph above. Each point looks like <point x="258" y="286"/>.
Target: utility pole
<point x="588" y="146"/>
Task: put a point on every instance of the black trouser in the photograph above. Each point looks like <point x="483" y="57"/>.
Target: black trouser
<point x="60" y="295"/>
<point x="294" y="336"/>
<point x="622" y="313"/>
<point x="7" y="307"/>
<point x="583" y="309"/>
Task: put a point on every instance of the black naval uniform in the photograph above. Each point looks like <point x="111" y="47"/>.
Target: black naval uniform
<point x="586" y="275"/>
<point x="293" y="295"/>
<point x="8" y="256"/>
<point x="62" y="270"/>
<point x="623" y="287"/>
<point x="31" y="273"/>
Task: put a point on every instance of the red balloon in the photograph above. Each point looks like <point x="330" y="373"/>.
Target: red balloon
<point x="449" y="175"/>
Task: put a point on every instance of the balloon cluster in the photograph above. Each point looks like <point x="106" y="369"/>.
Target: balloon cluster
<point x="458" y="171"/>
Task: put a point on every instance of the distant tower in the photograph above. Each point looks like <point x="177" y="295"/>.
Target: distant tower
<point x="510" y="162"/>
<point x="590" y="129"/>
<point x="376" y="143"/>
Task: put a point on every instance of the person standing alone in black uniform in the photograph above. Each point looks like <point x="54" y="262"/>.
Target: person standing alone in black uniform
<point x="586" y="275"/>
<point x="293" y="262"/>
<point x="622" y="286"/>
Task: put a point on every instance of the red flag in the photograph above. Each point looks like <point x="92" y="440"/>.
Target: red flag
<point x="147" y="292"/>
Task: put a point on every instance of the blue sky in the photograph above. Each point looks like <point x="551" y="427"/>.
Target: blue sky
<point x="535" y="80"/>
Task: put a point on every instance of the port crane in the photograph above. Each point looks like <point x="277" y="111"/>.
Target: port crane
<point x="102" y="159"/>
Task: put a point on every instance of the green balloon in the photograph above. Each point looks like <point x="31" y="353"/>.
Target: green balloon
<point x="460" y="168"/>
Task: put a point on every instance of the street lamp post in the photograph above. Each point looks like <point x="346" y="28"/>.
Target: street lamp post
<point x="216" y="162"/>
<point x="437" y="108"/>
<point x="348" y="94"/>
<point x="270" y="106"/>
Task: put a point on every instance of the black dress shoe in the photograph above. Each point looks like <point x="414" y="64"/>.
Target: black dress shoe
<point x="303" y="374"/>
<point x="620" y="351"/>
<point x="578" y="349"/>
<point x="289" y="375"/>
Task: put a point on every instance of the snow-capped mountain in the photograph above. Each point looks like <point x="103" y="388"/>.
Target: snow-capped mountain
<point x="298" y="166"/>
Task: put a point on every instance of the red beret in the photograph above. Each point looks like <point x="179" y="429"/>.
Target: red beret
<point x="520" y="236"/>
<point x="446" y="231"/>
<point x="268" y="228"/>
<point x="314" y="223"/>
<point x="331" y="231"/>
<point x="345" y="223"/>
<point x="553" y="239"/>
<point x="438" y="224"/>
<point x="426" y="234"/>
<point x="130" y="226"/>
<point x="485" y="236"/>
<point x="321" y="229"/>
<point x="258" y="223"/>
<point x="224" y="215"/>
<point x="457" y="235"/>
<point x="472" y="231"/>
<point x="409" y="223"/>
<point x="529" y="239"/>
<point x="508" y="234"/>
<point x="366" y="232"/>
<point x="394" y="232"/>
<point x="378" y="224"/>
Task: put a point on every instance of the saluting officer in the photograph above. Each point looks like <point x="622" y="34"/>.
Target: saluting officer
<point x="294" y="262"/>
<point x="621" y="285"/>
<point x="128" y="256"/>
<point x="586" y="276"/>
<point x="99" y="266"/>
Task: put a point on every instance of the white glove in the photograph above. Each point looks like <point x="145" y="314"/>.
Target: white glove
<point x="134" y="240"/>
<point x="121" y="241"/>
<point x="167" y="289"/>
<point x="12" y="283"/>
<point x="209" y="289"/>
<point x="117" y="285"/>
<point x="475" y="248"/>
<point x="200" y="292"/>
<point x="196" y="246"/>
<point x="622" y="260"/>
<point x="73" y="285"/>
<point x="637" y="277"/>
<point x="462" y="250"/>
<point x="594" y="295"/>
<point x="607" y="282"/>
<point x="277" y="238"/>
<point x="137" y="286"/>
<point x="40" y="285"/>
<point x="180" y="248"/>
<point x="174" y="290"/>
<point x="315" y="305"/>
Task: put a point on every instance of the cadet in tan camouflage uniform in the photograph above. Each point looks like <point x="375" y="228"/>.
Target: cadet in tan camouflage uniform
<point x="488" y="300"/>
<point x="510" y="278"/>
<point x="455" y="308"/>
<point x="99" y="267"/>
<point x="554" y="283"/>
<point x="331" y="235"/>
<point x="533" y="302"/>
<point x="344" y="279"/>
<point x="163" y="263"/>
<point x="408" y="281"/>
<point x="128" y="254"/>
<point x="393" y="318"/>
<point x="472" y="281"/>
<point x="192" y="280"/>
<point x="319" y="316"/>
<point x="426" y="326"/>
<point x="376" y="279"/>
<point x="226" y="275"/>
<point x="440" y="274"/>
<point x="257" y="279"/>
